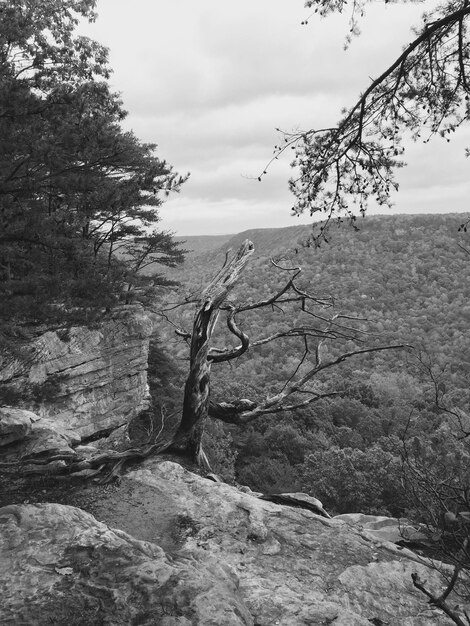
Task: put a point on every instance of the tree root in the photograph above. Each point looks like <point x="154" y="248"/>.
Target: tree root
<point x="108" y="464"/>
<point x="104" y="467"/>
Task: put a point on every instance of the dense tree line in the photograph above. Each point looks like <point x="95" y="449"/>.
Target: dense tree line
<point x="78" y="194"/>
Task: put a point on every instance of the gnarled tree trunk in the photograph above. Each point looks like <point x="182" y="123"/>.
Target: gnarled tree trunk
<point x="197" y="387"/>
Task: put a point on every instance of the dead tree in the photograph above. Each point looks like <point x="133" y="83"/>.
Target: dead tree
<point x="197" y="387"/>
<point x="298" y="391"/>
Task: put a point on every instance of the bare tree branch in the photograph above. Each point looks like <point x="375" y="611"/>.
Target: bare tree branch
<point x="440" y="601"/>
<point x="425" y="90"/>
<point x="217" y="355"/>
<point x="245" y="411"/>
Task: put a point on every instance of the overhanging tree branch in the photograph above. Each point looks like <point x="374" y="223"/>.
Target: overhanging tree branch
<point x="425" y="90"/>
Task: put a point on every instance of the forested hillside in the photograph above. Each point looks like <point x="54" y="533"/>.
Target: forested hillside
<point x="408" y="277"/>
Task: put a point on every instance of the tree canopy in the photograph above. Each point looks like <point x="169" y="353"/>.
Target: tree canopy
<point x="78" y="194"/>
<point x="340" y="170"/>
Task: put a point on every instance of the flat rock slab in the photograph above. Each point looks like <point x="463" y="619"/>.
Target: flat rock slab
<point x="202" y="553"/>
<point x="386" y="528"/>
<point x="295" y="567"/>
<point x="59" y="565"/>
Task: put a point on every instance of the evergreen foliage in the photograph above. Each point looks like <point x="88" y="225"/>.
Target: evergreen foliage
<point x="75" y="188"/>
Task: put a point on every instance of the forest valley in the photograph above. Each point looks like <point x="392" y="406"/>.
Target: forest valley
<point x="345" y="441"/>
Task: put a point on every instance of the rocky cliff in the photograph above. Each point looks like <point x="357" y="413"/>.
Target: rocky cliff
<point x="193" y="552"/>
<point x="79" y="381"/>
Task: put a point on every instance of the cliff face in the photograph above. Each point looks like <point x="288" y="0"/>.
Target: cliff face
<point x="203" y="553"/>
<point x="84" y="380"/>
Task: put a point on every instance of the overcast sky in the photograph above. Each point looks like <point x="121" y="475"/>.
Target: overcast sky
<point x="209" y="81"/>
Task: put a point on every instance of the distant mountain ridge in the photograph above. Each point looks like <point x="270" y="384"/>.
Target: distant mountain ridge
<point x="195" y="244"/>
<point x="265" y="239"/>
<point x="273" y="242"/>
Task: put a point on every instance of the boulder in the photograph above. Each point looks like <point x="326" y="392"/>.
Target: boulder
<point x="41" y="438"/>
<point x="297" y="499"/>
<point x="44" y="442"/>
<point x="202" y="552"/>
<point x="15" y="424"/>
<point x="400" y="531"/>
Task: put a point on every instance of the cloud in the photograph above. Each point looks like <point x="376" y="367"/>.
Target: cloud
<point x="209" y="82"/>
<point x="229" y="216"/>
<point x="230" y="130"/>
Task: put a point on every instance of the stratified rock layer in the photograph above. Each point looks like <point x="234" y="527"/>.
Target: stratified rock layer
<point x="85" y="380"/>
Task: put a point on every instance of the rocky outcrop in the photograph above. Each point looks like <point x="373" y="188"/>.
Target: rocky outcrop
<point x="224" y="557"/>
<point x="399" y="531"/>
<point x="15" y="424"/>
<point x="59" y="565"/>
<point x="83" y="380"/>
<point x="26" y="436"/>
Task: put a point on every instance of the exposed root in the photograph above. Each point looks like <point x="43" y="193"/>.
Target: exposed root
<point x="107" y="466"/>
